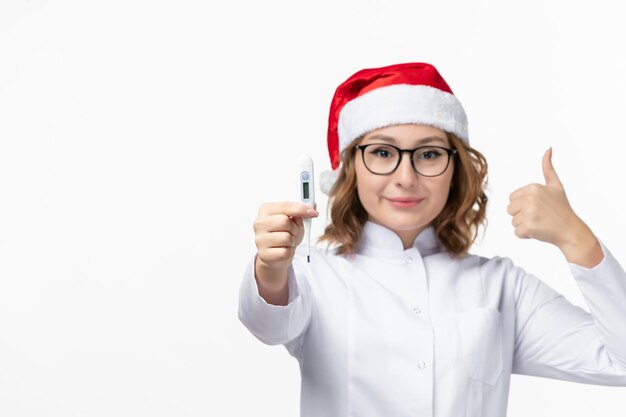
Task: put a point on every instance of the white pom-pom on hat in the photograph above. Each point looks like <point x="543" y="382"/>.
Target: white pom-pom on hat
<point x="327" y="180"/>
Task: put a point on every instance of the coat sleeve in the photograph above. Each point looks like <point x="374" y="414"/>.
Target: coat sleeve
<point x="556" y="339"/>
<point x="273" y="324"/>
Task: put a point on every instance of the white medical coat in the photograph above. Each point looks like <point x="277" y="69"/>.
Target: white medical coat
<point x="416" y="332"/>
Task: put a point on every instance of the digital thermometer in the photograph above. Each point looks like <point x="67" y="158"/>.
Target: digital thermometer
<point x="307" y="195"/>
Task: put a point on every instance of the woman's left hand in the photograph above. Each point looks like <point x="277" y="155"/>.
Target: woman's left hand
<point x="543" y="212"/>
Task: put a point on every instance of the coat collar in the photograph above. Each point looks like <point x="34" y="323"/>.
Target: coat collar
<point x="379" y="240"/>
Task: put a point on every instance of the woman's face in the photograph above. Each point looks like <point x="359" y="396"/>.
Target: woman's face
<point x="403" y="201"/>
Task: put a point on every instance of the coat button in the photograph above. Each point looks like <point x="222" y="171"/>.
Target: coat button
<point x="421" y="365"/>
<point x="408" y="259"/>
<point x="417" y="310"/>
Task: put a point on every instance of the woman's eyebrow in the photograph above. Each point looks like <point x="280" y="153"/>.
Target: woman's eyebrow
<point x="391" y="139"/>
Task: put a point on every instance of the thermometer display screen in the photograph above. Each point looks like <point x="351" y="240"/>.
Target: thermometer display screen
<point x="305" y="190"/>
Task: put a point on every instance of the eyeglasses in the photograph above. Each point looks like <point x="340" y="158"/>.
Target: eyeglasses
<point x="383" y="158"/>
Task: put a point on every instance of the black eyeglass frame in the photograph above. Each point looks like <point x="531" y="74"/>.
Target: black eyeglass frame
<point x="411" y="152"/>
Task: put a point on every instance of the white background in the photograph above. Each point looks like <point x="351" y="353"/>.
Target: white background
<point x="138" y="138"/>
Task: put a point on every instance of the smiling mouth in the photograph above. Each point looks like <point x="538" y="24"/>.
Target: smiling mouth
<point x="405" y="202"/>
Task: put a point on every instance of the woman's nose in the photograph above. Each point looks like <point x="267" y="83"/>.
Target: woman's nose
<point x="405" y="175"/>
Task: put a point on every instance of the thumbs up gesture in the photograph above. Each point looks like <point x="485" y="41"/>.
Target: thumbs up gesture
<point x="543" y="212"/>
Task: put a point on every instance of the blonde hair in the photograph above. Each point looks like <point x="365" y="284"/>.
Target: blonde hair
<point x="456" y="227"/>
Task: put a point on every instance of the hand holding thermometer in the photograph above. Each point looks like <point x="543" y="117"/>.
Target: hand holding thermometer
<point x="307" y="195"/>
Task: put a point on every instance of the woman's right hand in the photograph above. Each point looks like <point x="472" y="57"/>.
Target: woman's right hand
<point x="278" y="230"/>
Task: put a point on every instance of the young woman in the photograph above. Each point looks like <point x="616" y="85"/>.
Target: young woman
<point x="394" y="317"/>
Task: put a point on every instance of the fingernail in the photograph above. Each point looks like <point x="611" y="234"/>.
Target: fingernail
<point x="312" y="212"/>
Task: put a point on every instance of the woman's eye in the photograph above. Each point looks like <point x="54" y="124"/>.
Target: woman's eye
<point x="430" y="154"/>
<point x="382" y="153"/>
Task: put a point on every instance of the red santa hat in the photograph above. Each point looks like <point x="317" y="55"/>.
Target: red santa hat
<point x="397" y="94"/>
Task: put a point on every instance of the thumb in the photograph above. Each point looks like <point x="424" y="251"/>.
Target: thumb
<point x="549" y="174"/>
